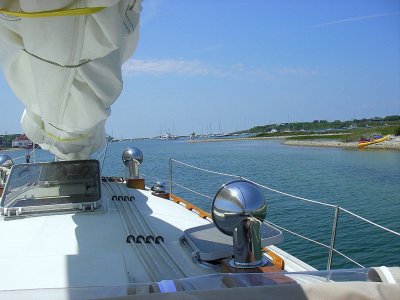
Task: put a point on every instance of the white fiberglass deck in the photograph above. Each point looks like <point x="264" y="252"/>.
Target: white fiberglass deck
<point x="89" y="248"/>
<point x="85" y="254"/>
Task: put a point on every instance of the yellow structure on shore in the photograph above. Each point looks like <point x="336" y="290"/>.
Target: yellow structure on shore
<point x="367" y="143"/>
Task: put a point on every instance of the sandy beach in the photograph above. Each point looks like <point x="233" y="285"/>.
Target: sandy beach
<point x="392" y="144"/>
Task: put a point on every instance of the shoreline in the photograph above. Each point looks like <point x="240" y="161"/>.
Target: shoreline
<point x="277" y="137"/>
<point x="237" y="139"/>
<point x="392" y="144"/>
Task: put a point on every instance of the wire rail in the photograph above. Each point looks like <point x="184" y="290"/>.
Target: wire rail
<point x="331" y="247"/>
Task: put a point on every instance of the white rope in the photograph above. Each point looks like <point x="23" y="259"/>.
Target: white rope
<point x="193" y="191"/>
<point x="208" y="171"/>
<point x="105" y="154"/>
<point x="345" y="256"/>
<point x="315" y="242"/>
<point x="23" y="156"/>
<point x="102" y="151"/>
<point x="290" y="195"/>
<point x="296" y="234"/>
<point x="370" y="222"/>
<point x="285" y="194"/>
<point x="260" y="185"/>
<point x="277" y="226"/>
<point x="282" y="193"/>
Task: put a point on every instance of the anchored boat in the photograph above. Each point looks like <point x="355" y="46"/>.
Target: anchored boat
<point x="68" y="232"/>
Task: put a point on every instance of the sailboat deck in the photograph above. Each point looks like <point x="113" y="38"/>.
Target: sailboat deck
<point x="91" y="249"/>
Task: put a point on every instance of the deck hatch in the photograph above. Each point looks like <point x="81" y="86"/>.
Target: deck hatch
<point x="53" y="186"/>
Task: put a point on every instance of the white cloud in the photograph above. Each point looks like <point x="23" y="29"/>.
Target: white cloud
<point x="171" y="67"/>
<point x="181" y="67"/>
<point x="296" y="71"/>
<point x="355" y="19"/>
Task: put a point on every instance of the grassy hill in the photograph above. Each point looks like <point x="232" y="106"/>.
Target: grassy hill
<point x="345" y="130"/>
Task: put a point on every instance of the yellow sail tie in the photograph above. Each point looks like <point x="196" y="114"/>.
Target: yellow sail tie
<point x="53" y="13"/>
<point x="58" y="139"/>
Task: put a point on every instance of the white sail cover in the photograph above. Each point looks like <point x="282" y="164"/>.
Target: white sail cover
<point x="66" y="70"/>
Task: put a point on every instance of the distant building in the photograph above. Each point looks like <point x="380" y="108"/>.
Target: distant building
<point x="21" y="141"/>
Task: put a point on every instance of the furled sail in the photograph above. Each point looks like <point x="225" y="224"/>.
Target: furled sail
<point x="62" y="59"/>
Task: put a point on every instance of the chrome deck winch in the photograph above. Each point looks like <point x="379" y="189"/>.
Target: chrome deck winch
<point x="238" y="210"/>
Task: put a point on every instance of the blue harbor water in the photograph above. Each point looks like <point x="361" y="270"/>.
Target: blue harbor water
<point x="364" y="182"/>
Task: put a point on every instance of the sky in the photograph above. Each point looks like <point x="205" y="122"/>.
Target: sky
<point x="221" y="66"/>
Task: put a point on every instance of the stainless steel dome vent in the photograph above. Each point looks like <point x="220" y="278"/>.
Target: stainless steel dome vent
<point x="132" y="158"/>
<point x="238" y="210"/>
